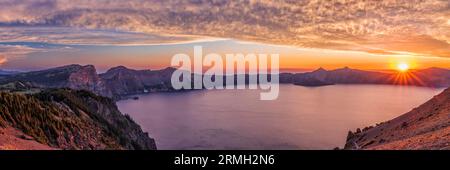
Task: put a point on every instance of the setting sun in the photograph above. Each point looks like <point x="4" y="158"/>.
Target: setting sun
<point x="403" y="67"/>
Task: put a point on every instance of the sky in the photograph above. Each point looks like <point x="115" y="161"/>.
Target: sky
<point x="371" y="34"/>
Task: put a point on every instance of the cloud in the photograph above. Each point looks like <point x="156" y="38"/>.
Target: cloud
<point x="420" y="44"/>
<point x="16" y="50"/>
<point x="342" y="24"/>
<point x="8" y="52"/>
<point x="70" y="35"/>
<point x="2" y="59"/>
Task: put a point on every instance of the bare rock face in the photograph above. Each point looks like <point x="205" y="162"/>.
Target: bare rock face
<point x="84" y="78"/>
<point x="122" y="81"/>
<point x="425" y="127"/>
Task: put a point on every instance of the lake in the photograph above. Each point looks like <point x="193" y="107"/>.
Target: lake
<point x="301" y="117"/>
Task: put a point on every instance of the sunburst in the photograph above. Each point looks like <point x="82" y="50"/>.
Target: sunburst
<point x="402" y="67"/>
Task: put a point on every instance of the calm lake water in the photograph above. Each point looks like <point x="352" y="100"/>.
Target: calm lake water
<point x="301" y="118"/>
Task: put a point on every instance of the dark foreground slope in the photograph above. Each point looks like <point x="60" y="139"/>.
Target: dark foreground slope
<point x="69" y="119"/>
<point x="425" y="127"/>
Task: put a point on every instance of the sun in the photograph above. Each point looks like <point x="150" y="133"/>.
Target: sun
<point x="403" y="67"/>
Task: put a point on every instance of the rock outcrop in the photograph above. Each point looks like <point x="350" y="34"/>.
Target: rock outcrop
<point x="85" y="77"/>
<point x="121" y="81"/>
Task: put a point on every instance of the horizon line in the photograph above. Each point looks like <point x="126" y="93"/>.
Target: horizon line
<point x="281" y="70"/>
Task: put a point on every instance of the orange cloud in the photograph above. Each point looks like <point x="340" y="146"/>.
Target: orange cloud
<point x="419" y="44"/>
<point x="3" y="59"/>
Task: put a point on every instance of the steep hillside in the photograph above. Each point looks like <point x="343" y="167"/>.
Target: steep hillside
<point x="70" y="119"/>
<point x="425" y="127"/>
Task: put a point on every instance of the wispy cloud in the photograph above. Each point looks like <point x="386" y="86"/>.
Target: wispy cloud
<point x="374" y="26"/>
<point x="16" y="50"/>
<point x="81" y="36"/>
<point x="12" y="51"/>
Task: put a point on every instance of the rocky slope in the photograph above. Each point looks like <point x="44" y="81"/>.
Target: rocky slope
<point x="13" y="139"/>
<point x="425" y="127"/>
<point x="67" y="119"/>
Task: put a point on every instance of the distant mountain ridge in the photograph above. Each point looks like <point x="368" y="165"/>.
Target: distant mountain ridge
<point x="120" y="81"/>
<point x="6" y="72"/>
<point x="431" y="77"/>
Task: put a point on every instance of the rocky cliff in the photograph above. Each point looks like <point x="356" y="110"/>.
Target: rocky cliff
<point x="69" y="119"/>
<point x="425" y="127"/>
<point x="121" y="81"/>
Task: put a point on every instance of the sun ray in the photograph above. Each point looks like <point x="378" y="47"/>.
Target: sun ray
<point x="403" y="67"/>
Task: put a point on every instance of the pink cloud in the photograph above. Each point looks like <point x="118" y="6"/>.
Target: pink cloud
<point x="3" y="59"/>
